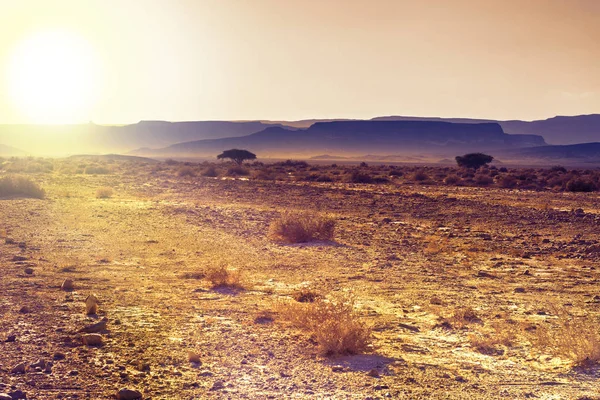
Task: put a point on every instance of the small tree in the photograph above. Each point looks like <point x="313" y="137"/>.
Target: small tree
<point x="239" y="156"/>
<point x="473" y="160"/>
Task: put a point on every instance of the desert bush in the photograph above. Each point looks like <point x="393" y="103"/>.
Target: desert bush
<point x="575" y="338"/>
<point x="186" y="171"/>
<point x="223" y="277"/>
<point x="170" y="161"/>
<point x="451" y="180"/>
<point x="210" y="172"/>
<point x="581" y="185"/>
<point x="299" y="227"/>
<point x="558" y="168"/>
<point x="237" y="171"/>
<point x="95" y="170"/>
<point x="20" y="186"/>
<point x="507" y="181"/>
<point x="360" y="177"/>
<point x="483" y="180"/>
<point x="420" y="176"/>
<point x="333" y="322"/>
<point x="396" y="172"/>
<point x="104" y="193"/>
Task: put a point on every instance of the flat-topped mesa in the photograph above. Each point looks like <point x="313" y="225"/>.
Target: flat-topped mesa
<point x="411" y="130"/>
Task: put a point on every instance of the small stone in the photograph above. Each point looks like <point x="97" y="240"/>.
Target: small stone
<point x="5" y="396"/>
<point x="29" y="271"/>
<point x="73" y="372"/>
<point x="128" y="394"/>
<point x="18" y="395"/>
<point x="337" y="368"/>
<point x="519" y="290"/>
<point x="92" y="339"/>
<point x="59" y="356"/>
<point x="218" y="385"/>
<point x="9" y="240"/>
<point x="67" y="285"/>
<point x="19" y="369"/>
<point x="38" y="364"/>
<point x="11" y="338"/>
<point x="91" y="305"/>
<point x="97" y="327"/>
<point x="25" y="310"/>
<point x="194" y="357"/>
<point x="374" y="373"/>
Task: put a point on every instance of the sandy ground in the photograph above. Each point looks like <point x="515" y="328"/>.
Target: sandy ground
<point x="413" y="256"/>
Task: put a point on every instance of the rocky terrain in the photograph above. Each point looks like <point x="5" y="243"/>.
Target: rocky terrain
<point x="471" y="293"/>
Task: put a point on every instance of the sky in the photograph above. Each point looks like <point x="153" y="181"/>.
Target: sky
<point x="121" y="61"/>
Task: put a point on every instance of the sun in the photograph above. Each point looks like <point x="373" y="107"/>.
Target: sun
<point x="52" y="78"/>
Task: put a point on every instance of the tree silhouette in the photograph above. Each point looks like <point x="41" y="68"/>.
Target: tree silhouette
<point x="239" y="156"/>
<point x="473" y="160"/>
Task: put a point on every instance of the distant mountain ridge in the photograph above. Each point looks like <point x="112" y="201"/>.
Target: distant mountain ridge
<point x="9" y="151"/>
<point x="556" y="130"/>
<point x="92" y="138"/>
<point x="352" y="137"/>
<point x="98" y="139"/>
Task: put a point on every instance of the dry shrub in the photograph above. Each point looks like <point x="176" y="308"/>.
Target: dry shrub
<point x="96" y="170"/>
<point x="223" y="277"/>
<point x="186" y="171"/>
<point x="20" y="186"/>
<point x="501" y="334"/>
<point x="104" y="193"/>
<point x="461" y="317"/>
<point x="210" y="172"/>
<point x="333" y="322"/>
<point x="576" y="338"/>
<point x="296" y="227"/>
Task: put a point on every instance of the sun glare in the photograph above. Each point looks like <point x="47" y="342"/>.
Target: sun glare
<point x="53" y="78"/>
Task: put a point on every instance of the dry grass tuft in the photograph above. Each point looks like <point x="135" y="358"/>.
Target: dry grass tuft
<point x="333" y="322"/>
<point x="575" y="338"/>
<point x="20" y="186"/>
<point x="299" y="227"/>
<point x="104" y="193"/>
<point x="222" y="277"/>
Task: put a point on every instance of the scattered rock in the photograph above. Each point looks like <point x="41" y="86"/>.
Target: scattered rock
<point x="92" y="339"/>
<point x="19" y="369"/>
<point x="194" y="357"/>
<point x="41" y="364"/>
<point x="73" y="373"/>
<point x="337" y="368"/>
<point x="91" y="305"/>
<point x="11" y="338"/>
<point x="59" y="356"/>
<point x="29" y="271"/>
<point x="374" y="373"/>
<point x="128" y="394"/>
<point x="218" y="385"/>
<point x="519" y="290"/>
<point x="18" y="395"/>
<point x="25" y="310"/>
<point x="18" y="258"/>
<point x="67" y="285"/>
<point x="5" y="396"/>
<point x="95" y="328"/>
<point x="9" y="240"/>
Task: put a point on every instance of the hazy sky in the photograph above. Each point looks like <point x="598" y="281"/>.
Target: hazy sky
<point x="294" y="59"/>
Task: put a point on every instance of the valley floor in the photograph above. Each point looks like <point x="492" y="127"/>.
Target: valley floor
<point x="524" y="265"/>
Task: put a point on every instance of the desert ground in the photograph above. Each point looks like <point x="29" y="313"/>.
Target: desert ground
<point x="466" y="292"/>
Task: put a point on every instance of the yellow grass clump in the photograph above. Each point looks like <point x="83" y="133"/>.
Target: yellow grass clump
<point x="20" y="186"/>
<point x="104" y="193"/>
<point x="332" y="321"/>
<point x="299" y="227"/>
